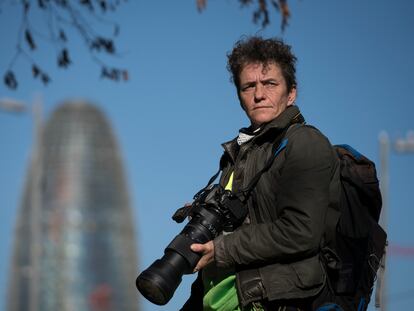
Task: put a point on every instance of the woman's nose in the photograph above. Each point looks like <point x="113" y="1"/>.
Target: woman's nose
<point x="259" y="92"/>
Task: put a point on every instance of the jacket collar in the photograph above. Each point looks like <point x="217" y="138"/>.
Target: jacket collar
<point x="290" y="115"/>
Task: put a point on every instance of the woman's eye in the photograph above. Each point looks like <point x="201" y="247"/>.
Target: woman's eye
<point x="248" y="88"/>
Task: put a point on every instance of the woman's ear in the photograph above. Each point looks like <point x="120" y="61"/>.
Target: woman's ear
<point x="292" y="97"/>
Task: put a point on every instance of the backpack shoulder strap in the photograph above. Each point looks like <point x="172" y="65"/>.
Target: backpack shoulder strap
<point x="279" y="145"/>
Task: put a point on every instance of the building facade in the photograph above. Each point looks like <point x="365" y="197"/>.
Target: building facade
<point x="75" y="244"/>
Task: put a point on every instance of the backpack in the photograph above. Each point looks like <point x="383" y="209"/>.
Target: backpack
<point x="355" y="242"/>
<point x="354" y="246"/>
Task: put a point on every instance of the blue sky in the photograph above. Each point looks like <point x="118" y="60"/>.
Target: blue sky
<point x="355" y="79"/>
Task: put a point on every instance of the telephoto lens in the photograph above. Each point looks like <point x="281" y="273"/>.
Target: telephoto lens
<point x="159" y="282"/>
<point x="213" y="210"/>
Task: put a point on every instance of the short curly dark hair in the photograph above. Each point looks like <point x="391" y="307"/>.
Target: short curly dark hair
<point x="265" y="51"/>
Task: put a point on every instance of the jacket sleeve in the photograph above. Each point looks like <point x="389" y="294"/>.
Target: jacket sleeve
<point x="302" y="201"/>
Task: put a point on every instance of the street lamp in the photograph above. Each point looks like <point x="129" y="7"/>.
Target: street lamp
<point x="400" y="145"/>
<point x="15" y="106"/>
<point x="405" y="145"/>
<point x="12" y="105"/>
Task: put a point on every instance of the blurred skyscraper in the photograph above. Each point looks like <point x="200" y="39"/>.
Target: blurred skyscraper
<point x="74" y="245"/>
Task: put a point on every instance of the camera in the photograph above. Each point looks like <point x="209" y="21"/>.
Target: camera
<point x="213" y="210"/>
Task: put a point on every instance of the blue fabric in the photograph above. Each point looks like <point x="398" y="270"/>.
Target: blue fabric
<point x="281" y="146"/>
<point x="355" y="153"/>
<point x="361" y="304"/>
<point x="330" y="307"/>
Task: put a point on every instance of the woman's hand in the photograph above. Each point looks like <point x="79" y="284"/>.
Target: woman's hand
<point x="207" y="252"/>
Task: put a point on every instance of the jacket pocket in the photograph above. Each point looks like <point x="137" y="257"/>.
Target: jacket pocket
<point x="309" y="272"/>
<point x="301" y="279"/>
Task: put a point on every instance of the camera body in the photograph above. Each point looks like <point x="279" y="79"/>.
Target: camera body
<point x="214" y="209"/>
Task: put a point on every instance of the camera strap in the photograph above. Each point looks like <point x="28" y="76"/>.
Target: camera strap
<point x="244" y="193"/>
<point x="281" y="143"/>
<point x="209" y="184"/>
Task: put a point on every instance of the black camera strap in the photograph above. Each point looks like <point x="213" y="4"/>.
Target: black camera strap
<point x="210" y="182"/>
<point x="244" y="193"/>
<point x="279" y="145"/>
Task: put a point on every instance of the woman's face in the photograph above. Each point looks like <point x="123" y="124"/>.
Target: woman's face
<point x="263" y="92"/>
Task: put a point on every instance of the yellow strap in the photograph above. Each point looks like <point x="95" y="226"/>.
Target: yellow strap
<point x="220" y="293"/>
<point x="229" y="185"/>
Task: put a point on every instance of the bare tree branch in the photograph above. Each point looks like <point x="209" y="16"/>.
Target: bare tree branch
<point x="60" y="16"/>
<point x="261" y="13"/>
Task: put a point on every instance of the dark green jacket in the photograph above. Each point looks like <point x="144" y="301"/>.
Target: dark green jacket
<point x="276" y="254"/>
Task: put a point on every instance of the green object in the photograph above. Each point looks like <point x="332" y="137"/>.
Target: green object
<point x="222" y="296"/>
<point x="220" y="288"/>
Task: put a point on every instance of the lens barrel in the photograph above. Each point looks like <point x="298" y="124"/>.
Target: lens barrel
<point x="159" y="282"/>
